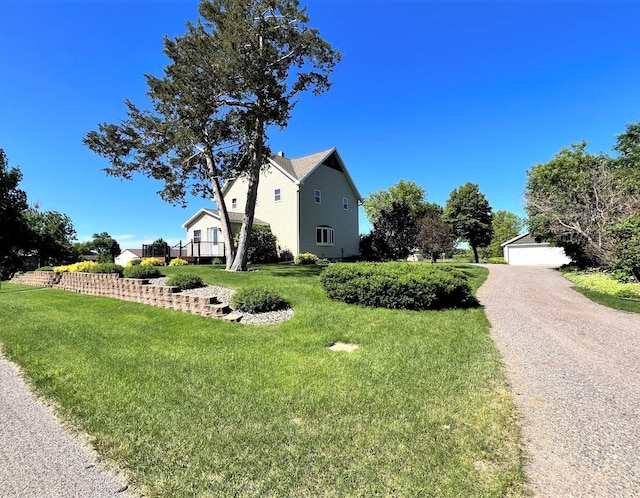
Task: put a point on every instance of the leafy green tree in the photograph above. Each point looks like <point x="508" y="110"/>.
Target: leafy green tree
<point x="575" y="198"/>
<point x="51" y="236"/>
<point x="408" y="192"/>
<point x="470" y="216"/>
<point x="13" y="227"/>
<point x="393" y="236"/>
<point x="105" y="246"/>
<point x="235" y="73"/>
<point x="628" y="148"/>
<point x="435" y="237"/>
<point x="506" y="225"/>
<point x="626" y="246"/>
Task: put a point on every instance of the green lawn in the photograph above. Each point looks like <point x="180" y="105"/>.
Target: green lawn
<point x="190" y="406"/>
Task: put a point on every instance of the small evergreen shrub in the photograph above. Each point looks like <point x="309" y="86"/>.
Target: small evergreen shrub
<point x="134" y="262"/>
<point x="397" y="285"/>
<point x="306" y="258"/>
<point x="106" y="268"/>
<point x="178" y="262"/>
<point x="45" y="268"/>
<point x="216" y="261"/>
<point x="497" y="261"/>
<point x="257" y="300"/>
<point x="141" y="271"/>
<point x="185" y="281"/>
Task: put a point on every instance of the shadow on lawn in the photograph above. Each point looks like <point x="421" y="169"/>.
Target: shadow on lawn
<point x="298" y="271"/>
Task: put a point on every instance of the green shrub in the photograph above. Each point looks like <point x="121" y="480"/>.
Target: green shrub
<point x="257" y="300"/>
<point x="599" y="281"/>
<point x="106" y="268"/>
<point x="45" y="268"/>
<point x="141" y="271"/>
<point x="306" y="258"/>
<point x="185" y="281"/>
<point x="397" y="285"/>
<point x="216" y="261"/>
<point x="134" y="262"/>
<point x="151" y="262"/>
<point x="497" y="261"/>
<point x="178" y="262"/>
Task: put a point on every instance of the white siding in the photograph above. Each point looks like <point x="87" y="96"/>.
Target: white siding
<point x="282" y="215"/>
<point x="334" y="187"/>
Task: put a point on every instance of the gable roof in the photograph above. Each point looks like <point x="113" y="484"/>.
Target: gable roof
<point x="233" y="217"/>
<point x="299" y="169"/>
<point x="523" y="238"/>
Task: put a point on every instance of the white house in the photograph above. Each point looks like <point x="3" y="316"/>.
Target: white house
<point x="524" y="250"/>
<point x="310" y="203"/>
<point x="128" y="255"/>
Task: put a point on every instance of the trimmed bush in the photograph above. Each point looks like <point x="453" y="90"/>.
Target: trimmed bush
<point x="257" y="300"/>
<point x="397" y="285"/>
<point x="306" y="258"/>
<point x="82" y="266"/>
<point x="497" y="261"/>
<point x="185" y="281"/>
<point x="178" y="262"/>
<point x="141" y="271"/>
<point x="151" y="262"/>
<point x="106" y="268"/>
<point x="134" y="262"/>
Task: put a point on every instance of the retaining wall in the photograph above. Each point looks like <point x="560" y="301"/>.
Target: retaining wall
<point x="127" y="289"/>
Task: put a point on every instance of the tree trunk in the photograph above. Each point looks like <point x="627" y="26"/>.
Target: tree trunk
<point x="225" y="222"/>
<point x="475" y="253"/>
<point x="242" y="251"/>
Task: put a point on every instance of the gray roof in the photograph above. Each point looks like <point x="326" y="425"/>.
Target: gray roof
<point x="233" y="217"/>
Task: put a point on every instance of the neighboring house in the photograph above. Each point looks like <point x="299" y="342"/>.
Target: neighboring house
<point x="524" y="250"/>
<point x="128" y="255"/>
<point x="310" y="203"/>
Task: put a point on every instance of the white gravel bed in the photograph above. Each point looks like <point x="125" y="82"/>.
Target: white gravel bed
<point x="223" y="294"/>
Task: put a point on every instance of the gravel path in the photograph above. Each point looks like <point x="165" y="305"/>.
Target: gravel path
<point x="39" y="459"/>
<point x="574" y="367"/>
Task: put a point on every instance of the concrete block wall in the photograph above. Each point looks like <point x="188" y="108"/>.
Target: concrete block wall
<point x="127" y="289"/>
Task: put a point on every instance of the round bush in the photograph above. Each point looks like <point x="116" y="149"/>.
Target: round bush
<point x="257" y="300"/>
<point x="106" y="268"/>
<point x="397" y="285"/>
<point x="141" y="271"/>
<point x="306" y="258"/>
<point x="185" y="281"/>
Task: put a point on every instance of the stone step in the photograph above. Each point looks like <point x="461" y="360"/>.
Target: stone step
<point x="234" y="316"/>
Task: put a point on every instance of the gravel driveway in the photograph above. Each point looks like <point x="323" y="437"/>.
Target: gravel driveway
<point x="39" y="459"/>
<point x="574" y="367"/>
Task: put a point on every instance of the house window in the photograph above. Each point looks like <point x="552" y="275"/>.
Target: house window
<point x="212" y="235"/>
<point x="345" y="203"/>
<point x="276" y="195"/>
<point x="234" y="203"/>
<point x="324" y="236"/>
<point x="197" y="236"/>
<point x="317" y="195"/>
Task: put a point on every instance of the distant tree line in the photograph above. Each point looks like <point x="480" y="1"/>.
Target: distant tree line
<point x="30" y="237"/>
<point x="403" y="222"/>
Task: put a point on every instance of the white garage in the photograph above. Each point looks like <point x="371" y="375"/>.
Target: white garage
<point x="524" y="250"/>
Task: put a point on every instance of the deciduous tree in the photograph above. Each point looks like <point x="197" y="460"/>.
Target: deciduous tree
<point x="233" y="75"/>
<point x="51" y="236"/>
<point x="470" y="216"/>
<point x="435" y="237"/>
<point x="105" y="246"/>
<point x="393" y="236"/>
<point x="405" y="191"/>
<point x="506" y="225"/>
<point x="575" y="198"/>
<point x="13" y="205"/>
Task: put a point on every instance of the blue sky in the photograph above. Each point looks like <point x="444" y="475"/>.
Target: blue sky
<point x="441" y="93"/>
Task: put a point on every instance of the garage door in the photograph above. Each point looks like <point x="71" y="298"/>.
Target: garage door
<point x="537" y="255"/>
